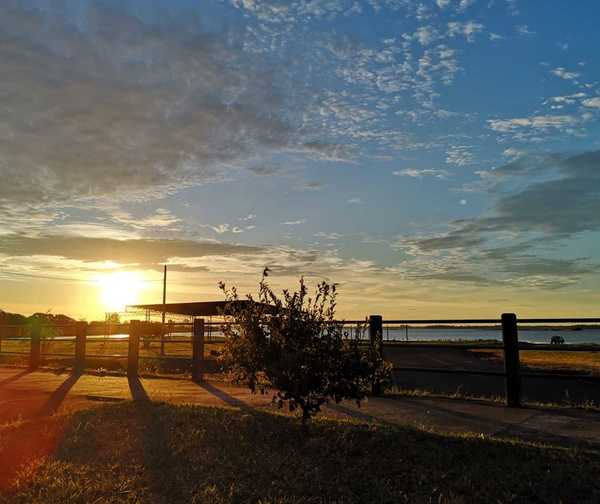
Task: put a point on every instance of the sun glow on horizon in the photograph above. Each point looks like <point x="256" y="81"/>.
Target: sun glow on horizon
<point x="119" y="289"/>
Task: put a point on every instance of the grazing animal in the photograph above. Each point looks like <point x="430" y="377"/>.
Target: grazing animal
<point x="557" y="340"/>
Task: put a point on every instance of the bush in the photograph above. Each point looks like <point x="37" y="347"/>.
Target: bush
<point x="294" y="344"/>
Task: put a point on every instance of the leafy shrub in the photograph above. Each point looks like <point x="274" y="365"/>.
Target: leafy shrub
<point x="294" y="344"/>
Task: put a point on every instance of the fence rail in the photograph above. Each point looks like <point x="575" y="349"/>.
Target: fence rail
<point x="201" y="333"/>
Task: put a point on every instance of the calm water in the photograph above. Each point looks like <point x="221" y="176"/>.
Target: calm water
<point x="447" y="334"/>
<point x="529" y="335"/>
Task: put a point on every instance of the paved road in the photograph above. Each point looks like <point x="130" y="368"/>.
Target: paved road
<point x="544" y="390"/>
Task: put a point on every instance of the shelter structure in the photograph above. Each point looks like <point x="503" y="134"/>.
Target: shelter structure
<point x="188" y="310"/>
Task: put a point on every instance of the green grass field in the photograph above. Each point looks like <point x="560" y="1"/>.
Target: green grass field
<point x="144" y="452"/>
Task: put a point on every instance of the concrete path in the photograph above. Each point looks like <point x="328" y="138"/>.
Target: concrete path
<point x="25" y="395"/>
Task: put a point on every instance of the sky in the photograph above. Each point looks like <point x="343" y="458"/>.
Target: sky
<point x="434" y="158"/>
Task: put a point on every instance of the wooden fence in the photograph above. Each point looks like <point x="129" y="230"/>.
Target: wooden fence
<point x="374" y="325"/>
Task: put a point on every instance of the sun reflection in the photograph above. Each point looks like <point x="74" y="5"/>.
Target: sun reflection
<point x="119" y="289"/>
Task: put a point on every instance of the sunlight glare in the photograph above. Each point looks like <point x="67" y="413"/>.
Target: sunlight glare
<point x="117" y="290"/>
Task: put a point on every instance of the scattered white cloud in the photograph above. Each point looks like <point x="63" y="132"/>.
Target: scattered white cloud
<point x="294" y="222"/>
<point x="328" y="236"/>
<point x="355" y="201"/>
<point x="227" y="228"/>
<point x="544" y="122"/>
<point x="524" y="30"/>
<point x="566" y="100"/>
<point x="465" y="4"/>
<point x="459" y="155"/>
<point x="512" y="152"/>
<point x="468" y="29"/>
<point x="420" y="173"/>
<point x="563" y="73"/>
<point x="592" y="102"/>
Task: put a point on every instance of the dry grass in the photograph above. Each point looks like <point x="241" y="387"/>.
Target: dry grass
<point x="145" y="452"/>
<point x="586" y="362"/>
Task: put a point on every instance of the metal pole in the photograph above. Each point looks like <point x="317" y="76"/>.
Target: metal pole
<point x="162" y="332"/>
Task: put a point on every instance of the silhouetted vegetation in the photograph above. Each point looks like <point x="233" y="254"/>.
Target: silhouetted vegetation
<point x="294" y="344"/>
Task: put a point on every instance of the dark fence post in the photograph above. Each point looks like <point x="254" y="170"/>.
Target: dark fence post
<point x="376" y="339"/>
<point x="35" y="351"/>
<point x="376" y="332"/>
<point x="197" y="349"/>
<point x="80" y="344"/>
<point x="3" y="334"/>
<point x="511" y="359"/>
<point x="133" y="353"/>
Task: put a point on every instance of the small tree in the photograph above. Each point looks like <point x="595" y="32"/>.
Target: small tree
<point x="294" y="344"/>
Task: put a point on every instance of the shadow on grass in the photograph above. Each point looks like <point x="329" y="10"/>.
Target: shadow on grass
<point x="224" y="396"/>
<point x="352" y="413"/>
<point x="138" y="392"/>
<point x="203" y="454"/>
<point x="57" y="397"/>
<point x="15" y="377"/>
<point x="157" y="453"/>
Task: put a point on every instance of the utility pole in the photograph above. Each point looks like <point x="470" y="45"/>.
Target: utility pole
<point x="162" y="329"/>
<point x="164" y="294"/>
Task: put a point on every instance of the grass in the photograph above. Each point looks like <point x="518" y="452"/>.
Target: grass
<point x="564" y="361"/>
<point x="147" y="452"/>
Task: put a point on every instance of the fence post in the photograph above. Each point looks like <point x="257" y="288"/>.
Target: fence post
<point x="511" y="359"/>
<point x="35" y="350"/>
<point x="133" y="352"/>
<point x="376" y="339"/>
<point x="197" y="349"/>
<point x="3" y="334"/>
<point x="376" y="332"/>
<point x="80" y="344"/>
<point x="162" y="339"/>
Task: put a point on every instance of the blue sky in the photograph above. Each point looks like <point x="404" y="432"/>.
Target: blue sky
<point x="432" y="157"/>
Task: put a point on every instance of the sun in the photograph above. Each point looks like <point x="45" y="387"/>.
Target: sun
<point x="119" y="289"/>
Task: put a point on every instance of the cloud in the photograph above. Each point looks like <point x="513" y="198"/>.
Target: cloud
<point x="311" y="186"/>
<point x="143" y="252"/>
<point x="465" y="4"/>
<point x="524" y="30"/>
<point x="226" y="228"/>
<point x="552" y="209"/>
<point x="416" y="173"/>
<point x="566" y="99"/>
<point x="114" y="107"/>
<point x="442" y="4"/>
<point x="294" y="222"/>
<point x="542" y="122"/>
<point x="468" y="29"/>
<point x="592" y="102"/>
<point x="459" y="155"/>
<point x="564" y="74"/>
<point x="328" y="236"/>
<point x="355" y="201"/>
